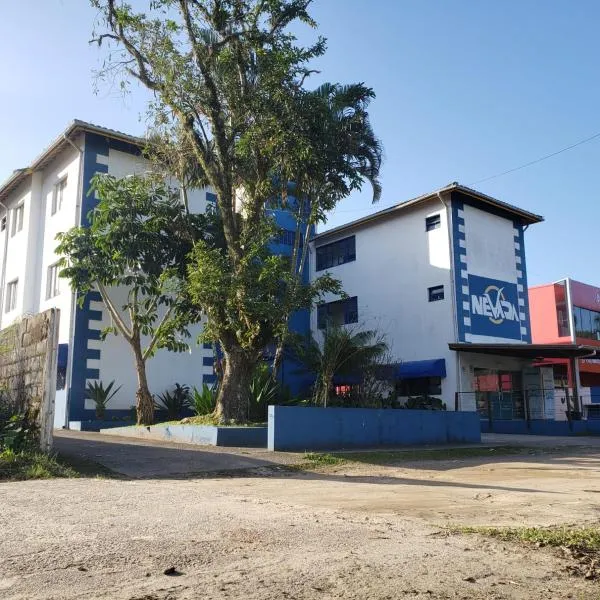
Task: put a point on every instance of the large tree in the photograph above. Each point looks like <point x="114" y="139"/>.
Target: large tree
<point x="227" y="78"/>
<point x="133" y="253"/>
<point x="332" y="152"/>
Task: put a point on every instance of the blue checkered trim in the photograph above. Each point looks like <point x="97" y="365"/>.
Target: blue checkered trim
<point x="461" y="282"/>
<point x="522" y="295"/>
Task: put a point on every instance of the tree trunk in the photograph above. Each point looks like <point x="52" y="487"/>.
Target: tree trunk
<point x="277" y="360"/>
<point x="144" y="404"/>
<point x="232" y="400"/>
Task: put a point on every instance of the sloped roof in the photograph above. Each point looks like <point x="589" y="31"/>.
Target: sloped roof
<point x="74" y="128"/>
<point x="523" y="216"/>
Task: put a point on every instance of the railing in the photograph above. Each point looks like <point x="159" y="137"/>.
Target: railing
<point x="530" y="404"/>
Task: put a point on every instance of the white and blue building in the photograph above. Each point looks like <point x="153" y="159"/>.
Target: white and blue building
<point x="50" y="196"/>
<point x="444" y="277"/>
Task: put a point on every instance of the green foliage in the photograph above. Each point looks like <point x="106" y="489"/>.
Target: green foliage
<point x="231" y="111"/>
<point x="137" y="240"/>
<point x="344" y="351"/>
<point x="17" y="432"/>
<point x="262" y="392"/>
<point x="585" y="539"/>
<point x="174" y="402"/>
<point x="203" y="402"/>
<point x="424" y="403"/>
<point x="18" y="465"/>
<point x="100" y="395"/>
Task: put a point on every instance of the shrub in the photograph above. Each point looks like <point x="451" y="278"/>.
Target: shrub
<point x="262" y="392"/>
<point x="175" y="402"/>
<point x="101" y="395"/>
<point x="425" y="403"/>
<point x="204" y="402"/>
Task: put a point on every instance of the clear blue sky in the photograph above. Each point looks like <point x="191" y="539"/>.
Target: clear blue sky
<point x="465" y="89"/>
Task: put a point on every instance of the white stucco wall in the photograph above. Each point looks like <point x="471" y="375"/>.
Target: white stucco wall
<point x="397" y="260"/>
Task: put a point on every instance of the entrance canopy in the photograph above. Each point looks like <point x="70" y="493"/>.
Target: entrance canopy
<point x="528" y="351"/>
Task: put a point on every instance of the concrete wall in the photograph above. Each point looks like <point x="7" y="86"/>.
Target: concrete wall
<point x="28" y="369"/>
<point x="308" y="428"/>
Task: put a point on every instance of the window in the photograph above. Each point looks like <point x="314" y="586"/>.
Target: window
<point x="421" y="386"/>
<point x="286" y="238"/>
<point x="11" y="295"/>
<point x="52" y="282"/>
<point x="58" y="195"/>
<point x="436" y="293"/>
<point x="336" y="253"/>
<point x="3" y="224"/>
<point x="17" y="219"/>
<point x="433" y="222"/>
<point x="587" y="323"/>
<point x="210" y="197"/>
<point x="340" y="312"/>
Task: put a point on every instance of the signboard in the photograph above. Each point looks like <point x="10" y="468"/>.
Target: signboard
<point x="494" y="308"/>
<point x="585" y="296"/>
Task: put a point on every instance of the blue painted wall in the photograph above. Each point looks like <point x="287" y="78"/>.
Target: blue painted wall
<point x="312" y="428"/>
<point x="542" y="427"/>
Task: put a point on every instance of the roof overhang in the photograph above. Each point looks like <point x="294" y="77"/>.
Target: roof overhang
<point x="57" y="146"/>
<point x="527" y="351"/>
<point x="524" y="216"/>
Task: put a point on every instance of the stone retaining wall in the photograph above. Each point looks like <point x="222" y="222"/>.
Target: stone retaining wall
<point x="28" y="369"/>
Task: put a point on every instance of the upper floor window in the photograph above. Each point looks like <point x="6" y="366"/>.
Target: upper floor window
<point x="52" y="282"/>
<point x="11" y="295"/>
<point x="587" y="323"/>
<point x="340" y="312"/>
<point x="17" y="219"/>
<point x="286" y="237"/>
<point x="58" y="195"/>
<point x="435" y="293"/>
<point x="336" y="253"/>
<point x="433" y="222"/>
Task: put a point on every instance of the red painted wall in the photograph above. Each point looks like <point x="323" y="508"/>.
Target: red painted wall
<point x="542" y="308"/>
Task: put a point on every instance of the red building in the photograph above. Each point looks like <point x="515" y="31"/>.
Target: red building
<point x="568" y="312"/>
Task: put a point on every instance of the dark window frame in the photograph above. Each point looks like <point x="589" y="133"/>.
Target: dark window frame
<point x="433" y="222"/>
<point x="435" y="293"/>
<point x="419" y="386"/>
<point x="336" y="253"/>
<point x="349" y="306"/>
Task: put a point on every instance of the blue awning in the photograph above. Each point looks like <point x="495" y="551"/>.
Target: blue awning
<point x="435" y="367"/>
<point x="62" y="356"/>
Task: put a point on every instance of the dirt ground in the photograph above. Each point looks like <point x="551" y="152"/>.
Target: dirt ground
<point x="355" y="531"/>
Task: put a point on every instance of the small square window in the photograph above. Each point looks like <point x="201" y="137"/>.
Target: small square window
<point x="436" y="293"/>
<point x="433" y="222"/>
<point x="58" y="195"/>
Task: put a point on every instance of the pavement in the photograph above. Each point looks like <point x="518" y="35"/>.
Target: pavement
<point x="142" y="459"/>
<point x="153" y="459"/>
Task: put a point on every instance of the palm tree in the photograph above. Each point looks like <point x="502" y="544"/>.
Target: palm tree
<point x="344" y="153"/>
<point x="344" y="351"/>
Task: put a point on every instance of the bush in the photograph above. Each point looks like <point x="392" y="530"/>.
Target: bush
<point x="262" y="392"/>
<point x="101" y="395"/>
<point x="175" y="402"/>
<point x="204" y="402"/>
<point x="425" y="403"/>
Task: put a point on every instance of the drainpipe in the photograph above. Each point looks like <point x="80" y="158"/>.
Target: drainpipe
<point x="69" y="374"/>
<point x="452" y="292"/>
<point x="4" y="261"/>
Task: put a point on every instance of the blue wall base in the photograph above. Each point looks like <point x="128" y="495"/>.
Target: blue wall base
<point x="97" y="425"/>
<point x="542" y="427"/>
<point x="311" y="428"/>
